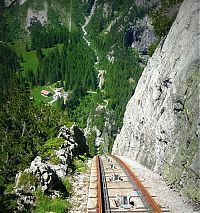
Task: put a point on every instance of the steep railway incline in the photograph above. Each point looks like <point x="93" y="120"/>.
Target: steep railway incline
<point x="115" y="188"/>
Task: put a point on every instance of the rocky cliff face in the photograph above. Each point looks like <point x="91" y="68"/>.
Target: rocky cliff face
<point x="161" y="122"/>
<point x="143" y="34"/>
<point x="8" y="2"/>
<point x="46" y="175"/>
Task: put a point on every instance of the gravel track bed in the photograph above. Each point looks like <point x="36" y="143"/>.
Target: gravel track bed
<point x="80" y="185"/>
<point x="166" y="196"/>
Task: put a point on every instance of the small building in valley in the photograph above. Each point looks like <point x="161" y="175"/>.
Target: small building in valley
<point x="45" y="93"/>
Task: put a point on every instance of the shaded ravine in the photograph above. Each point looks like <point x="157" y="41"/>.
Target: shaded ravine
<point x="100" y="76"/>
<point x="87" y="20"/>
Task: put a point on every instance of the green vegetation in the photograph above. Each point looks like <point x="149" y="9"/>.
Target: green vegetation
<point x="99" y="120"/>
<point x="26" y="179"/>
<point x="161" y="23"/>
<point x="8" y="66"/>
<point x="28" y="129"/>
<point x="121" y="76"/>
<point x="110" y="144"/>
<point x="73" y="62"/>
<point x="79" y="164"/>
<point x="9" y="187"/>
<point x="57" y="14"/>
<point x="50" y="146"/>
<point x="45" y="36"/>
<point x="30" y="61"/>
<point x="164" y="16"/>
<point x="24" y="130"/>
<point x="8" y="202"/>
<point x="67" y="184"/>
<point x="68" y="63"/>
<point x="25" y="127"/>
<point x="46" y="204"/>
<point x="68" y="123"/>
<point x="74" y="65"/>
<point x="3" y="28"/>
<point x="55" y="160"/>
<point x="38" y="98"/>
<point x="82" y="112"/>
<point x="29" y="58"/>
<point x="91" y="143"/>
<point x="151" y="48"/>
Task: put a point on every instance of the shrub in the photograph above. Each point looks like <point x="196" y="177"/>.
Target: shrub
<point x="46" y="204"/>
<point x="162" y="23"/>
<point x="9" y="187"/>
<point x="50" y="146"/>
<point x="26" y="179"/>
<point x="91" y="143"/>
<point x="79" y="165"/>
<point x="8" y="202"/>
<point x="67" y="184"/>
<point x="164" y="16"/>
<point x="151" y="48"/>
<point x="55" y="160"/>
<point x="83" y="157"/>
<point x="68" y="124"/>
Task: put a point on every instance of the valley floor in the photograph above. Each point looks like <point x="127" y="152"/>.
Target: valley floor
<point x="165" y="196"/>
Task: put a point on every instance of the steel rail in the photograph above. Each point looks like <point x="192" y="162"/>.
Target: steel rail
<point x="155" y="207"/>
<point x="99" y="189"/>
<point x="106" y="202"/>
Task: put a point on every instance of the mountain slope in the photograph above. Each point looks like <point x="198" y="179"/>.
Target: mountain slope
<point x="160" y="127"/>
<point x="113" y="28"/>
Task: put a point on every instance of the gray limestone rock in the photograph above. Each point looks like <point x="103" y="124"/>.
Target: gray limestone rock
<point x="161" y="122"/>
<point x="25" y="201"/>
<point x="44" y="174"/>
<point x="8" y="2"/>
<point x="147" y="3"/>
<point x="143" y="34"/>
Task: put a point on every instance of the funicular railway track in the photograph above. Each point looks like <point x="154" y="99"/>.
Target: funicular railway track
<point x="115" y="188"/>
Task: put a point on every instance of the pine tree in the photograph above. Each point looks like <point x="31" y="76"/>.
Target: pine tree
<point x="39" y="54"/>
